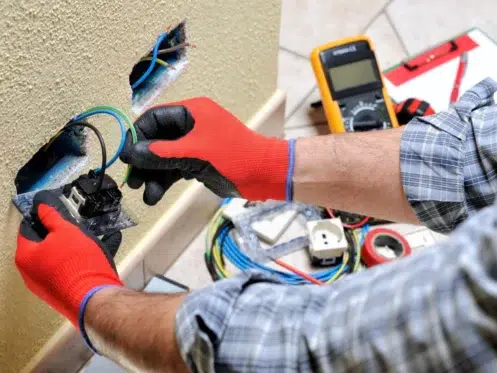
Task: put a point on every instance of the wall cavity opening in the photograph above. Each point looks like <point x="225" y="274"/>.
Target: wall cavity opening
<point x="159" y="68"/>
<point x="54" y="163"/>
<point x="55" y="166"/>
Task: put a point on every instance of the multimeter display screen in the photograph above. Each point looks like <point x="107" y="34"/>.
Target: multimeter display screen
<point x="352" y="75"/>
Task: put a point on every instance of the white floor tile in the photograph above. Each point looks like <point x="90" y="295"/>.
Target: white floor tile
<point x="388" y="47"/>
<point x="307" y="24"/>
<point x="305" y="115"/>
<point x="423" y="23"/>
<point x="189" y="269"/>
<point x="295" y="77"/>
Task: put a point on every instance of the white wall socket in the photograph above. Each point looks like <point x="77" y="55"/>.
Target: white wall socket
<point x="327" y="238"/>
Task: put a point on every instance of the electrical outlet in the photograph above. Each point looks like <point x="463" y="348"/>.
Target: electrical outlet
<point x="327" y="239"/>
<point x="53" y="167"/>
<point x="99" y="224"/>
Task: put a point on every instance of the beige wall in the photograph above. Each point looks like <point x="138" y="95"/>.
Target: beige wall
<point x="60" y="57"/>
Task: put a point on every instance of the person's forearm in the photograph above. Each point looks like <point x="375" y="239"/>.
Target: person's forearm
<point x="355" y="172"/>
<point x="135" y="330"/>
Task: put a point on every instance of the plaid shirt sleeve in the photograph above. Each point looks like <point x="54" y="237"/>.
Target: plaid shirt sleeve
<point x="434" y="311"/>
<point x="449" y="160"/>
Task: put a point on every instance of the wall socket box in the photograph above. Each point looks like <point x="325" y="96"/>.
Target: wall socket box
<point x="56" y="166"/>
<point x="161" y="77"/>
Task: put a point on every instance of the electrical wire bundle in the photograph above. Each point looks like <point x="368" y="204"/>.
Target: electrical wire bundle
<point x="220" y="246"/>
<point x="155" y="57"/>
<point x="121" y="118"/>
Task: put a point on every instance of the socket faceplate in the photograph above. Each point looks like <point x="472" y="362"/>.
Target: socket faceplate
<point x="99" y="225"/>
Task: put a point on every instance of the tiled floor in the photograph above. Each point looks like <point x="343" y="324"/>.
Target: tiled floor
<point x="398" y="28"/>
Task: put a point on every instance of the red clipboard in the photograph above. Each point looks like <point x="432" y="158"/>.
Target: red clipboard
<point x="431" y="59"/>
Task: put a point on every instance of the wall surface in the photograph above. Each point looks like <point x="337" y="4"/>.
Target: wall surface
<point x="58" y="58"/>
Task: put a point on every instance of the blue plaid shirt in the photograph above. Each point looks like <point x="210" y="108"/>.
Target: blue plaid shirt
<point x="435" y="311"/>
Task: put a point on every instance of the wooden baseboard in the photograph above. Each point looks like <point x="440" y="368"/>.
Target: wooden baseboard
<point x="65" y="351"/>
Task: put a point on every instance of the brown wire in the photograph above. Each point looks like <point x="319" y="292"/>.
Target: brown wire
<point x="176" y="47"/>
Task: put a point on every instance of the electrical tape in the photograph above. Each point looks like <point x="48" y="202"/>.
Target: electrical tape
<point x="383" y="237"/>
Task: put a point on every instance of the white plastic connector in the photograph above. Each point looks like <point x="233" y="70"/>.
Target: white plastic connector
<point x="327" y="238"/>
<point x="235" y="207"/>
<point x="73" y="203"/>
<point x="271" y="229"/>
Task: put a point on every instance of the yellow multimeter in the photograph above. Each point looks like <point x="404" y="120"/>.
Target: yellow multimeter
<point x="351" y="85"/>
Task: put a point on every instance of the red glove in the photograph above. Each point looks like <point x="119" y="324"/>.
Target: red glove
<point x="199" y="139"/>
<point x="69" y="265"/>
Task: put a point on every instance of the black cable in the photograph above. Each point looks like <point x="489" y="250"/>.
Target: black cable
<point x="352" y="250"/>
<point x="210" y="267"/>
<point x="102" y="145"/>
<point x="227" y="224"/>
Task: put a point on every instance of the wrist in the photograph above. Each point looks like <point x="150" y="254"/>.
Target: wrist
<point x="105" y="295"/>
<point x="291" y="170"/>
<point x="90" y="305"/>
<point x="317" y="168"/>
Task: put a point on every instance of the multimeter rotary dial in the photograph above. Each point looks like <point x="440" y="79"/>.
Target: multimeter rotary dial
<point x="365" y="116"/>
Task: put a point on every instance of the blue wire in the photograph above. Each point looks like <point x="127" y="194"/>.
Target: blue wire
<point x="226" y="201"/>
<point x="123" y="132"/>
<point x="239" y="259"/>
<point x="243" y="262"/>
<point x="145" y="75"/>
<point x="364" y="231"/>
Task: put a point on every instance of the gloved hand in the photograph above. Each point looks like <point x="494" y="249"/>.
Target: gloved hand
<point x="69" y="265"/>
<point x="197" y="138"/>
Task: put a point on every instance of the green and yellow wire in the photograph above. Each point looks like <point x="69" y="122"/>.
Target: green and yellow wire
<point x="130" y="126"/>
<point x="215" y="222"/>
<point x="357" y="240"/>
<point x="158" y="62"/>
